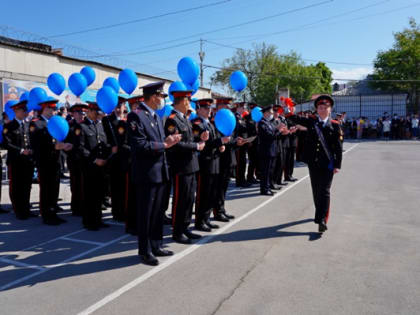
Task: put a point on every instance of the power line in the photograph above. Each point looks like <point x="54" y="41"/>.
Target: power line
<point x="141" y="20"/>
<point x="232" y="26"/>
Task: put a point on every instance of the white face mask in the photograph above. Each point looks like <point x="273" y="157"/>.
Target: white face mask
<point x="270" y="117"/>
<point x="161" y="104"/>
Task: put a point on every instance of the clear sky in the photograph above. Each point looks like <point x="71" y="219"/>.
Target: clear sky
<point x="341" y="31"/>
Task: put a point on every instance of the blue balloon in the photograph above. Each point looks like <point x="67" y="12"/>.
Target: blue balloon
<point x="225" y="121"/>
<point x="188" y="70"/>
<point x="58" y="128"/>
<point x="89" y="74"/>
<point x="113" y="83"/>
<point x="56" y="83"/>
<point x="77" y="83"/>
<point x="128" y="80"/>
<point x="176" y="86"/>
<point x="193" y="115"/>
<point x="238" y="81"/>
<point x="36" y="96"/>
<point x="194" y="88"/>
<point x="107" y="99"/>
<point x="8" y="110"/>
<point x="24" y="96"/>
<point x="193" y="105"/>
<point x="256" y="114"/>
<point x="165" y="111"/>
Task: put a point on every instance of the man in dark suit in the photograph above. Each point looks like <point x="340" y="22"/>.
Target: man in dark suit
<point x="47" y="160"/>
<point x="19" y="161"/>
<point x="267" y="148"/>
<point x="323" y="154"/>
<point x="150" y="171"/>
<point x="184" y="166"/>
<point x="74" y="159"/>
<point x="209" y="160"/>
<point x="95" y="149"/>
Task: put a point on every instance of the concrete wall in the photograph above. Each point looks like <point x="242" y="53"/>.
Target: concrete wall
<point x="27" y="65"/>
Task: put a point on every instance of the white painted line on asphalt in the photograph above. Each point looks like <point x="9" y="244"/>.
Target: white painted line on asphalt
<point x="81" y="241"/>
<point x="109" y="298"/>
<point x="64" y="262"/>
<point x="20" y="264"/>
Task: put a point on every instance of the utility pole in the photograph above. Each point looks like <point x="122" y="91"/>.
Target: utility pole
<point x="201" y="54"/>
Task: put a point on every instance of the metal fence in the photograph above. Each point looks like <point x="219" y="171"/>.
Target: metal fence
<point x="370" y="106"/>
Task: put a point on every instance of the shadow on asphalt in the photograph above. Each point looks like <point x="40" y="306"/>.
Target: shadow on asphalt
<point x="266" y="233"/>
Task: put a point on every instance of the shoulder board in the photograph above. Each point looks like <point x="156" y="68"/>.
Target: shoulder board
<point x="172" y="116"/>
<point x="335" y="121"/>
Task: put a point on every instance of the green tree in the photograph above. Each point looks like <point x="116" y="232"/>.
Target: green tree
<point x="267" y="71"/>
<point x="401" y="62"/>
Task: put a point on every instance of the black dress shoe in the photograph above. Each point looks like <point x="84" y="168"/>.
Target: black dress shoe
<point x="282" y="183"/>
<point x="211" y="225"/>
<point x="149" y="259"/>
<point x="57" y="208"/>
<point x="160" y="252"/>
<point x="220" y="218"/>
<point x="322" y="227"/>
<point x="3" y="211"/>
<point x="275" y="187"/>
<point x="181" y="239"/>
<point x="191" y="235"/>
<point x="203" y="228"/>
<point x="267" y="193"/>
<point x="106" y="203"/>
<point x="228" y="216"/>
<point x="290" y="179"/>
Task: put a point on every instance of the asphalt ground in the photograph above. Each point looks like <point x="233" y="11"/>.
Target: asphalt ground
<point x="269" y="260"/>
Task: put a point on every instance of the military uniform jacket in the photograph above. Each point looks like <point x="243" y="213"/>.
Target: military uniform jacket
<point x="267" y="138"/>
<point x="313" y="152"/>
<point x="93" y="142"/>
<point x="241" y="127"/>
<point x="276" y="123"/>
<point x="43" y="144"/>
<point x="116" y="131"/>
<point x="183" y="158"/>
<point x="209" y="157"/>
<point x="251" y="126"/>
<point x="292" y="136"/>
<point x="15" y="139"/>
<point x="146" y="137"/>
<point x="228" y="157"/>
<point x="75" y="155"/>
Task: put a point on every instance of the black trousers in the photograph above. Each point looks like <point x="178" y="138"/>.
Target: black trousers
<point x="223" y="180"/>
<point x="241" y="165"/>
<point x="321" y="180"/>
<point x="278" y="168"/>
<point x="266" y="166"/>
<point x="49" y="188"/>
<point x="289" y="162"/>
<point x="149" y="214"/>
<point x="131" y="210"/>
<point x="76" y="186"/>
<point x="20" y="184"/>
<point x="253" y="162"/>
<point x="93" y="183"/>
<point x="185" y="187"/>
<point x="206" y="196"/>
<point x="119" y="190"/>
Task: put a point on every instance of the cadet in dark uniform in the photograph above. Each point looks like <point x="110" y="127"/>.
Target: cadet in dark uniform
<point x="131" y="214"/>
<point x="227" y="164"/>
<point x="96" y="151"/>
<point x="209" y="160"/>
<point x="267" y="148"/>
<point x="150" y="171"/>
<point x="241" y="131"/>
<point x="323" y="154"/>
<point x="276" y="176"/>
<point x="16" y="140"/>
<point x="290" y="152"/>
<point x="75" y="159"/>
<point x="184" y="166"/>
<point x="252" y="147"/>
<point x="115" y="127"/>
<point x="47" y="160"/>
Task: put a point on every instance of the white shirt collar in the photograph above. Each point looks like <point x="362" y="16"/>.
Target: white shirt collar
<point x="151" y="111"/>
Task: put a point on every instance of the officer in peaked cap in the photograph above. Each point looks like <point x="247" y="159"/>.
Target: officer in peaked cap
<point x="149" y="171"/>
<point x="74" y="158"/>
<point x="96" y="151"/>
<point x="183" y="160"/>
<point x="47" y="159"/>
<point x="241" y="152"/>
<point x="19" y="161"/>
